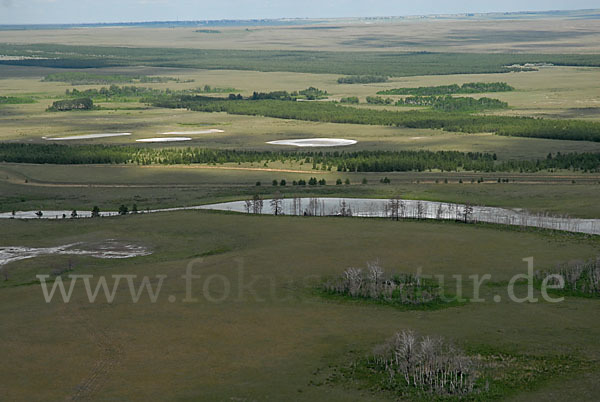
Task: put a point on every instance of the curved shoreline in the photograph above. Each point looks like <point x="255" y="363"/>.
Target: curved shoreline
<point x="369" y="208"/>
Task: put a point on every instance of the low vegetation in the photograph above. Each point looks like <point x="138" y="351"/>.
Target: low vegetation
<point x="410" y="366"/>
<point x="577" y="278"/>
<point x="467" y="88"/>
<point x="15" y="100"/>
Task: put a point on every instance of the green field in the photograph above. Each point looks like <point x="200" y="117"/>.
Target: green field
<point x="262" y="328"/>
<point x="254" y="348"/>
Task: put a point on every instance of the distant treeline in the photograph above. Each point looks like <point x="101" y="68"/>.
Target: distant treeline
<point x="453" y="104"/>
<point x="378" y="100"/>
<point x="362" y="79"/>
<point x="359" y="161"/>
<point x="15" y="100"/>
<point x="311" y="93"/>
<point x="71" y="104"/>
<point x="577" y="130"/>
<point x="467" y="88"/>
<point x="392" y="64"/>
<point x="83" y="78"/>
<point x="115" y="91"/>
<point x="352" y="100"/>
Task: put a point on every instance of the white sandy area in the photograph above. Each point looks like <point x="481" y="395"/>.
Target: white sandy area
<point x="86" y="136"/>
<point x="164" y="139"/>
<point x="315" y="142"/>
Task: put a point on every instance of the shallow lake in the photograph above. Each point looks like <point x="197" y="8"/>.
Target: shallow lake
<point x="369" y="208"/>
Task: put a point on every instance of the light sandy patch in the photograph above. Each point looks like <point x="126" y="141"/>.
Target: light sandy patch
<point x="106" y="249"/>
<point x="164" y="139"/>
<point x="416" y="138"/>
<point x="211" y="131"/>
<point x="86" y="136"/>
<point x="315" y="142"/>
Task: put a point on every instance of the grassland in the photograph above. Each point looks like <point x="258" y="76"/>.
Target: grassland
<point x="32" y="187"/>
<point x="253" y="349"/>
<point x="510" y="34"/>
<point x="283" y="340"/>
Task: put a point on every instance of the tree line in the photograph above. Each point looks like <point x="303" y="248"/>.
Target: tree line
<point x="466" y="88"/>
<point x="132" y="91"/>
<point x="358" y="161"/>
<point x="84" y="78"/>
<point x="311" y="93"/>
<point x="449" y="103"/>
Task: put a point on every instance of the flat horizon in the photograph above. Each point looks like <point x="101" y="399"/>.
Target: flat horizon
<point x="70" y="12"/>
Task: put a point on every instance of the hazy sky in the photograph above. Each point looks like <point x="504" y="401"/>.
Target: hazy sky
<point x="78" y="11"/>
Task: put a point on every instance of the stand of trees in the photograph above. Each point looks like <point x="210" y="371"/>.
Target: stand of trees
<point x="577" y="130"/>
<point x="359" y="161"/>
<point x="311" y="93"/>
<point x="374" y="284"/>
<point x="467" y="88"/>
<point x="353" y="100"/>
<point x="451" y="104"/>
<point x="132" y="91"/>
<point x="71" y="104"/>
<point x="378" y="100"/>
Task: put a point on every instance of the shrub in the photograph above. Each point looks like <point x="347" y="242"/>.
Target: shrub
<point x="427" y="364"/>
<point x="402" y="289"/>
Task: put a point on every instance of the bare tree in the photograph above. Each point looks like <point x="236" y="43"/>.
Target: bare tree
<point x="257" y="204"/>
<point x="394" y="206"/>
<point x="248" y="206"/>
<point x="420" y="210"/>
<point x="402" y="207"/>
<point x="439" y="214"/>
<point x="297" y="206"/>
<point x="429" y="364"/>
<point x="313" y="207"/>
<point x="277" y="203"/>
<point x="354" y="280"/>
<point x="345" y="209"/>
<point x="467" y="212"/>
